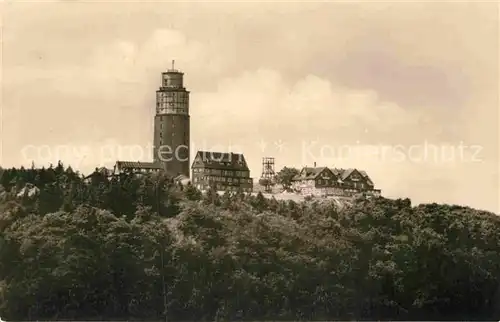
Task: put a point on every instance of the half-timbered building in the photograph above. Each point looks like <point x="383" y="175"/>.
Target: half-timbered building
<point x="322" y="181"/>
<point x="221" y="171"/>
<point x="316" y="181"/>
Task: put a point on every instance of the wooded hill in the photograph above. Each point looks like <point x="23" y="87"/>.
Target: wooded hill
<point x="130" y="247"/>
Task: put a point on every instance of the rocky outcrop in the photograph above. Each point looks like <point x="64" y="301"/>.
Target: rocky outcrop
<point x="29" y="191"/>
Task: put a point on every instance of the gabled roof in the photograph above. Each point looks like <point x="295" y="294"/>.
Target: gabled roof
<point x="105" y="171"/>
<point x="310" y="173"/>
<point x="102" y="171"/>
<point x="365" y="175"/>
<point x="138" y="165"/>
<point x="220" y="160"/>
<point x="342" y="173"/>
<point x="338" y="173"/>
<point x="345" y="173"/>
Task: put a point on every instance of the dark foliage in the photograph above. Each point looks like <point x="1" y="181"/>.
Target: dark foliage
<point x="141" y="247"/>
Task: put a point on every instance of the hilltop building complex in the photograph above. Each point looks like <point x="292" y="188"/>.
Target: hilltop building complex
<point x="171" y="150"/>
<point x="323" y="181"/>
<point x="225" y="171"/>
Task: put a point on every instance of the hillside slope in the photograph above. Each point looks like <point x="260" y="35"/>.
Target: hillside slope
<point x="122" y="247"/>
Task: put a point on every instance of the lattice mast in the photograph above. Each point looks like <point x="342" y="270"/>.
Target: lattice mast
<point x="267" y="179"/>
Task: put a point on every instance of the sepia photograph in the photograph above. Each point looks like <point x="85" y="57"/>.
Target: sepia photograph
<point x="249" y="160"/>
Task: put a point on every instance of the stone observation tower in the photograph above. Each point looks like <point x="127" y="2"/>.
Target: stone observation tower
<point x="171" y="126"/>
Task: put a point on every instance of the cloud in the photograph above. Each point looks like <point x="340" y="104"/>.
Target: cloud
<point x="108" y="95"/>
<point x="111" y="69"/>
<point x="312" y="106"/>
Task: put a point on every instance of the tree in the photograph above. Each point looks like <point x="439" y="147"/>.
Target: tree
<point x="139" y="248"/>
<point x="285" y="176"/>
<point x="192" y="193"/>
<point x="211" y="196"/>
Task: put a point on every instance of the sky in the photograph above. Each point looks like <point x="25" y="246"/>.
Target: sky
<point x="407" y="91"/>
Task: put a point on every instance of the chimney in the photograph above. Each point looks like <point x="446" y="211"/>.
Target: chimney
<point x="315" y="164"/>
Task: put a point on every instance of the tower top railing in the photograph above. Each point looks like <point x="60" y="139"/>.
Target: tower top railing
<point x="172" y="69"/>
